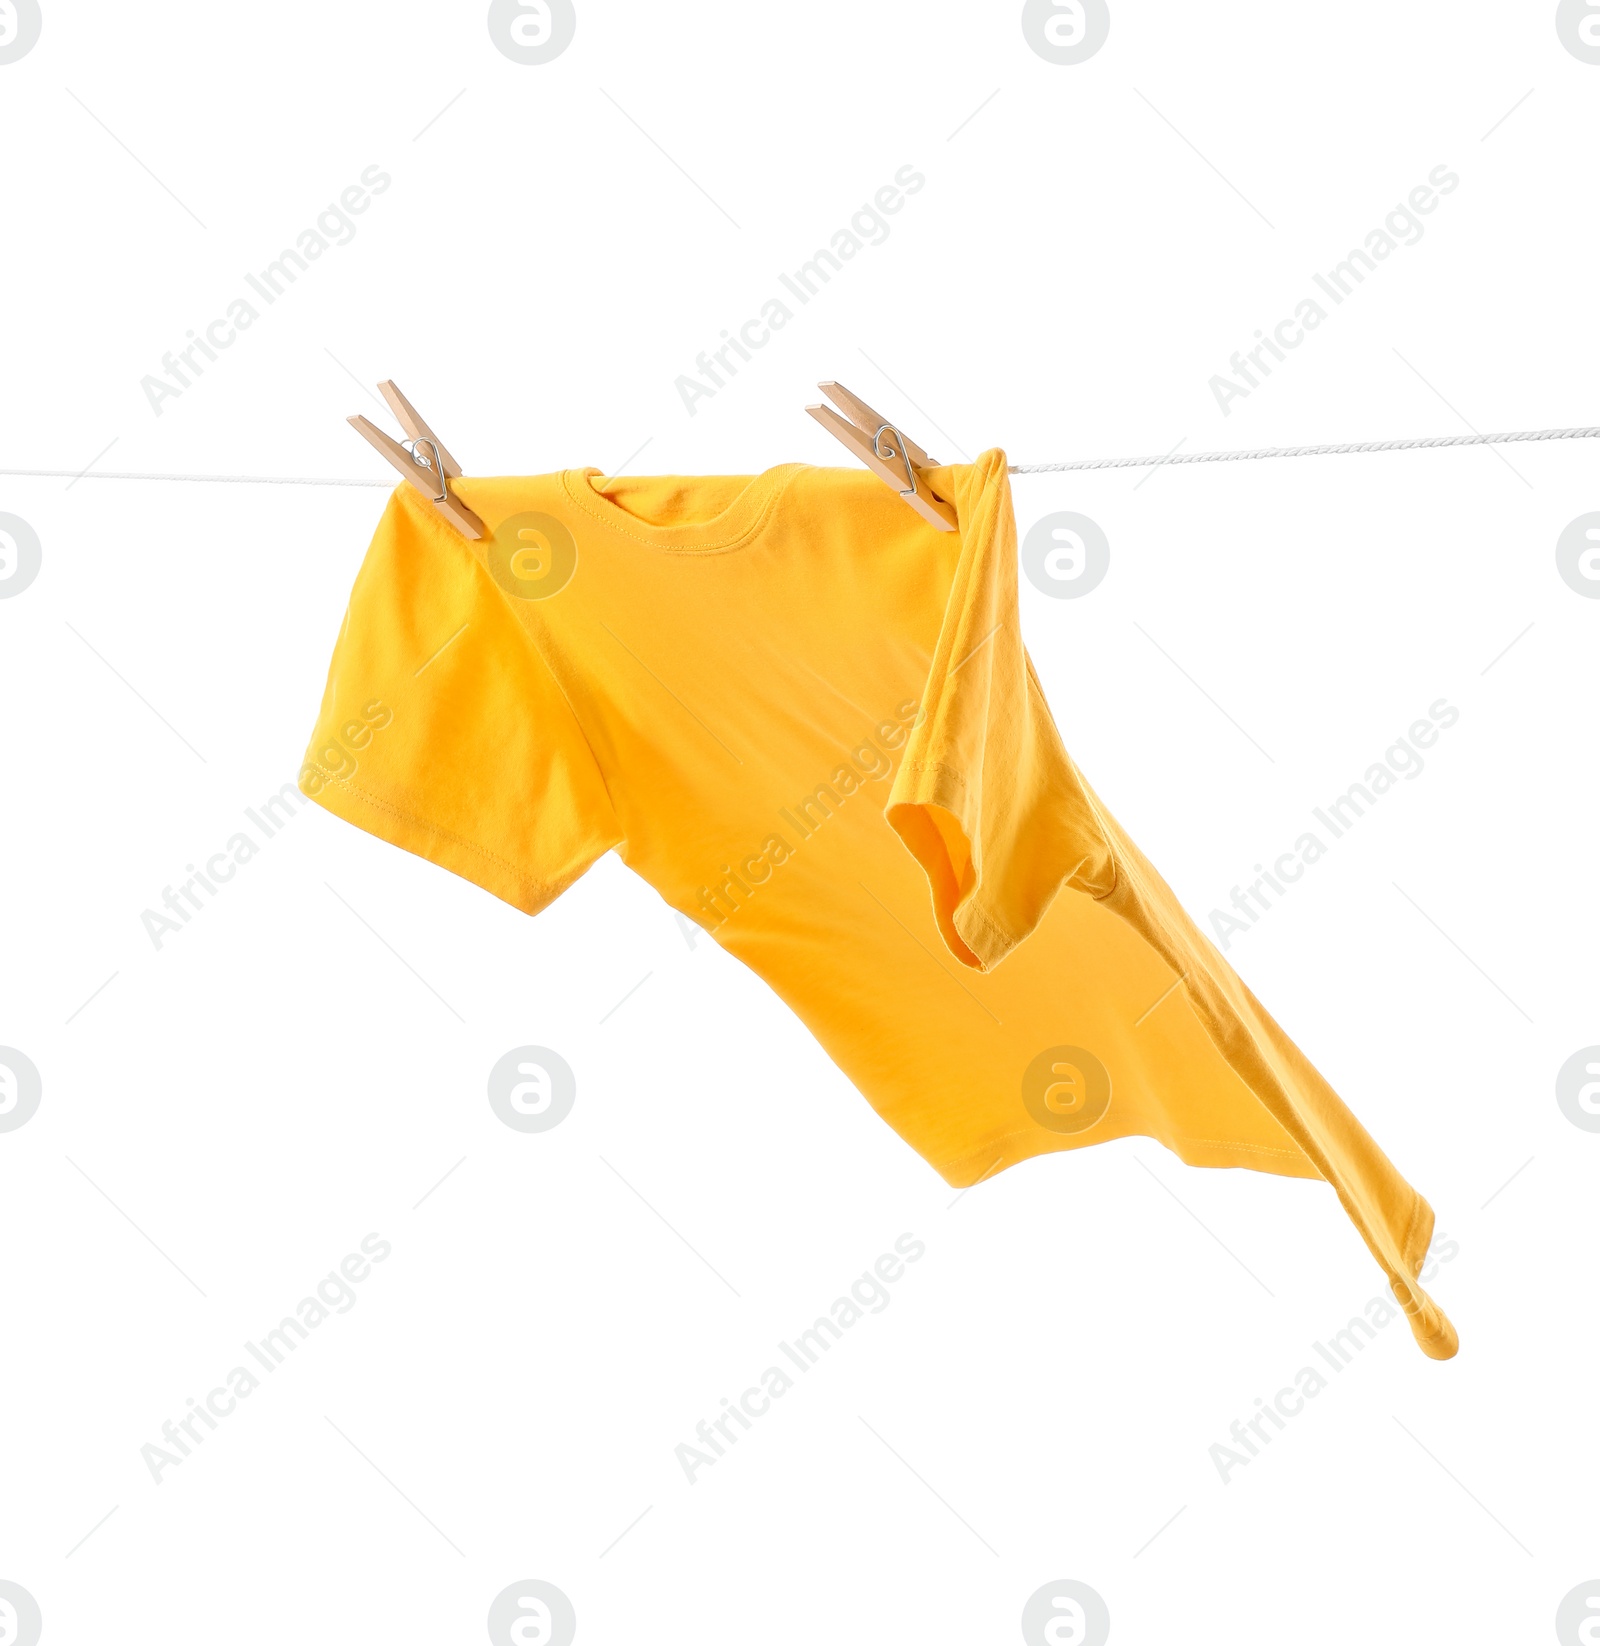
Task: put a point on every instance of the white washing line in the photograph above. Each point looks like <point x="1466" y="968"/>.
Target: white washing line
<point x="1423" y="443"/>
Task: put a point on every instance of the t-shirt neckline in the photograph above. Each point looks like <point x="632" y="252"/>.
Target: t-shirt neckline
<point x="731" y="529"/>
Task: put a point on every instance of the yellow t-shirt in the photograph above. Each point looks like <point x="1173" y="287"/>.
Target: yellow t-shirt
<point x="808" y="720"/>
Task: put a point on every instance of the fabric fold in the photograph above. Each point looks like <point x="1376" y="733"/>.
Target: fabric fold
<point x="987" y="799"/>
<point x="989" y="802"/>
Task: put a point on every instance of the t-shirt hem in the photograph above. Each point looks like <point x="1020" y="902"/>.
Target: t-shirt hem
<point x="1012" y="1148"/>
<point x="1431" y="1327"/>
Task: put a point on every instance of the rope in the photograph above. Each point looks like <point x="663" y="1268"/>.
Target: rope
<point x="1419" y="444"/>
<point x="1308" y="451"/>
<point x="215" y="479"/>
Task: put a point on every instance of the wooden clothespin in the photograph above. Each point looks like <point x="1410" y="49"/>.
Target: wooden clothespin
<point x="422" y="455"/>
<point x="885" y="450"/>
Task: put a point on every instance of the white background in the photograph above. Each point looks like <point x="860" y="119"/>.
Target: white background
<point x="229" y="1115"/>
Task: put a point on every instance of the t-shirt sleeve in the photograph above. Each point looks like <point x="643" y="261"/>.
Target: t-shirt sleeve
<point x="442" y="728"/>
<point x="986" y="797"/>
